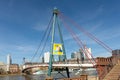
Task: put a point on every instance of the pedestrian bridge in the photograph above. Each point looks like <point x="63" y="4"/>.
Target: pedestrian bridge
<point x="30" y="66"/>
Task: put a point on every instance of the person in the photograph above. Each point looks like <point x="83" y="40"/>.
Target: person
<point x="58" y="48"/>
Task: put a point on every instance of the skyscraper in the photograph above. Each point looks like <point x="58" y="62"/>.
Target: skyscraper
<point x="46" y="57"/>
<point x="82" y="54"/>
<point x="88" y="53"/>
<point x="74" y="55"/>
<point x="9" y="60"/>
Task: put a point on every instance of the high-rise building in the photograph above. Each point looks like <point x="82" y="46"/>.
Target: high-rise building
<point x="82" y="54"/>
<point x="41" y="60"/>
<point x="9" y="60"/>
<point x="74" y="55"/>
<point x="46" y="57"/>
<point x="88" y="53"/>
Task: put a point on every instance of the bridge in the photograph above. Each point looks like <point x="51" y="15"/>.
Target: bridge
<point x="45" y="65"/>
<point x="59" y="48"/>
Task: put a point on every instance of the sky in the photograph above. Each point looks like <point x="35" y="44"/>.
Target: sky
<point x="23" y="23"/>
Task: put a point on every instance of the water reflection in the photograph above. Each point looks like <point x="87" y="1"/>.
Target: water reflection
<point x="35" y="77"/>
<point x="20" y="77"/>
<point x="14" y="77"/>
<point x="43" y="76"/>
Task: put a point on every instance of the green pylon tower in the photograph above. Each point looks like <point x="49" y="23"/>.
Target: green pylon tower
<point x="63" y="56"/>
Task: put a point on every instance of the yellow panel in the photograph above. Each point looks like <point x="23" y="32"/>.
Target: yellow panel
<point x="57" y="49"/>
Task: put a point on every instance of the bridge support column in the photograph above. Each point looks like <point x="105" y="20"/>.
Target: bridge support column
<point x="57" y="49"/>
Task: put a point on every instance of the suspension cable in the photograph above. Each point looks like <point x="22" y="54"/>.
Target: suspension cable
<point x="40" y="44"/>
<point x="81" y="45"/>
<point x="76" y="38"/>
<point x="47" y="37"/>
<point x="83" y="49"/>
<point x="88" y="34"/>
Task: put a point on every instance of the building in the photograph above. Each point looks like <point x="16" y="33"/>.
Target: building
<point x="14" y="68"/>
<point x="116" y="52"/>
<point x="3" y="68"/>
<point x="116" y="56"/>
<point x="9" y="61"/>
<point x="46" y="57"/>
<point x="74" y="55"/>
<point x="82" y="55"/>
<point x="41" y="60"/>
<point x="88" y="53"/>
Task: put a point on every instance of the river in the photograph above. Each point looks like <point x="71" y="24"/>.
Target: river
<point x="43" y="76"/>
<point x="20" y="77"/>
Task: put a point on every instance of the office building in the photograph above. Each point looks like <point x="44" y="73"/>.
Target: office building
<point x="82" y="54"/>
<point x="9" y="60"/>
<point x="88" y="53"/>
<point x="46" y="57"/>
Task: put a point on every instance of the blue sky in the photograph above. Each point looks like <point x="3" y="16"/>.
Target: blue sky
<point x="23" y="22"/>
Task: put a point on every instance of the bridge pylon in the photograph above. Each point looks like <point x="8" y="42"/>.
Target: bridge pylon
<point x="57" y="49"/>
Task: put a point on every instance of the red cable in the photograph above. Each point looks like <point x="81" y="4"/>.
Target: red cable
<point x="77" y="39"/>
<point x="80" y="44"/>
<point x="88" y="34"/>
<point x="92" y="37"/>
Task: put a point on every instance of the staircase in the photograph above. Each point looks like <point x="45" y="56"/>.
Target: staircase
<point x="114" y="74"/>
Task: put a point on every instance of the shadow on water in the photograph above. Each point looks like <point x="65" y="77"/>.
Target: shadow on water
<point x="35" y="77"/>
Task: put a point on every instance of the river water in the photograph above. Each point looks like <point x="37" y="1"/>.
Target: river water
<point x="42" y="76"/>
<point x="20" y="77"/>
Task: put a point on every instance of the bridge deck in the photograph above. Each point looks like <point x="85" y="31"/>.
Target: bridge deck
<point x="59" y="65"/>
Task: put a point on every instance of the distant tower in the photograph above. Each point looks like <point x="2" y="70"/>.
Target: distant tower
<point x="23" y="60"/>
<point x="89" y="52"/>
<point x="46" y="57"/>
<point x="82" y="56"/>
<point x="42" y="59"/>
<point x="74" y="55"/>
<point x="9" y="61"/>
